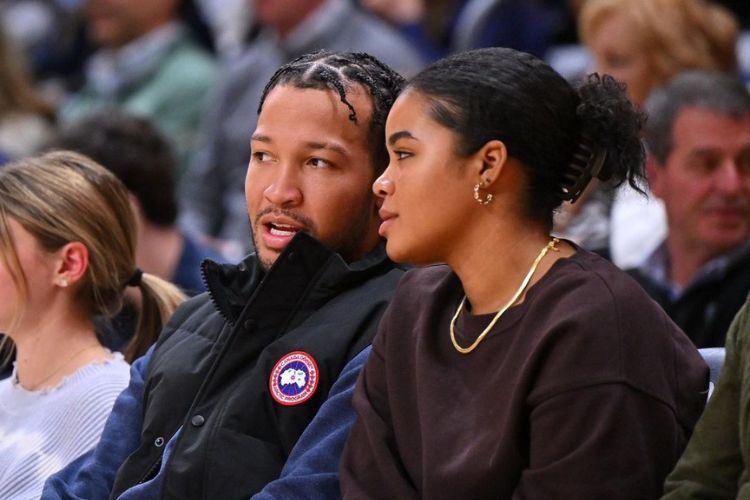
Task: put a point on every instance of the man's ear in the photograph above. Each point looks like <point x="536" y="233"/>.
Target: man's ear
<point x="73" y="262"/>
<point x="491" y="159"/>
<point x="656" y="174"/>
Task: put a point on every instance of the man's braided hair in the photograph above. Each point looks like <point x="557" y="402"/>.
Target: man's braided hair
<point x="338" y="71"/>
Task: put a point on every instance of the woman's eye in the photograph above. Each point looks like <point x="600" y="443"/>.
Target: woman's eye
<point x="401" y="155"/>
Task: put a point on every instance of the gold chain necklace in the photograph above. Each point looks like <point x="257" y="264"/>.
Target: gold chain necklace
<point x="552" y="245"/>
<point x="59" y="368"/>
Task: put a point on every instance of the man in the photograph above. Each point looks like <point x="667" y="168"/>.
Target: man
<point x="214" y="205"/>
<point x="139" y="155"/>
<point x="698" y="136"/>
<point x="215" y="408"/>
<point x="152" y="60"/>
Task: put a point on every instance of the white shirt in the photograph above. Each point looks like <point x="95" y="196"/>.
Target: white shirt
<point x="42" y="431"/>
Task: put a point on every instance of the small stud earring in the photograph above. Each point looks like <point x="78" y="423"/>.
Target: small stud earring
<point x="64" y="282"/>
<point x="487" y="199"/>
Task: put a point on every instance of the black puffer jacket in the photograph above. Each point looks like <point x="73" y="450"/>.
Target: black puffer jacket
<point x="211" y="373"/>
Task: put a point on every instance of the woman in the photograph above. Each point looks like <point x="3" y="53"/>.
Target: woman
<point x="643" y="43"/>
<point x="67" y="254"/>
<point x="527" y="367"/>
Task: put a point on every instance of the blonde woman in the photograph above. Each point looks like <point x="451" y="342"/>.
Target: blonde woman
<point x="67" y="254"/>
<point x="644" y="43"/>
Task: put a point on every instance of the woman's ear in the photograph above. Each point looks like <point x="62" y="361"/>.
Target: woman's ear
<point x="492" y="158"/>
<point x="73" y="261"/>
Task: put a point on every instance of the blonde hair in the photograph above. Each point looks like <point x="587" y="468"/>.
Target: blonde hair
<point x="678" y="35"/>
<point x="61" y="197"/>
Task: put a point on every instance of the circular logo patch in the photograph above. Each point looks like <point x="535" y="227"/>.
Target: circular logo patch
<point x="294" y="378"/>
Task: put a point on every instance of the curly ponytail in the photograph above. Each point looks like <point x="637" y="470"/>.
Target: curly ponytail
<point x="610" y="122"/>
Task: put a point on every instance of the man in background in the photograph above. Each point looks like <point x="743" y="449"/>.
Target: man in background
<point x="698" y="139"/>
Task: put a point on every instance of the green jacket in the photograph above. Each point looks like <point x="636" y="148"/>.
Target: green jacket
<point x="173" y="95"/>
<point x="715" y="462"/>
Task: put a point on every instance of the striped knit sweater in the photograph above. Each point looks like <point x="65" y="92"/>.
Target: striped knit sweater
<point x="42" y="431"/>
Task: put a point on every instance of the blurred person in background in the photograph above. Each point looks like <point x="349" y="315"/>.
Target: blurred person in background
<point x="428" y="25"/>
<point x="230" y="22"/>
<point x="698" y="138"/>
<point x="716" y="462"/>
<point x="138" y="154"/>
<point x="67" y="254"/>
<point x="440" y="27"/>
<point x="213" y="202"/>
<point x="643" y="43"/>
<point x="52" y="34"/>
<point x="26" y="119"/>
<point x="153" y="61"/>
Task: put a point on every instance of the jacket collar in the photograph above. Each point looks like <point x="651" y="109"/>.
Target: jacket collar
<point x="305" y="262"/>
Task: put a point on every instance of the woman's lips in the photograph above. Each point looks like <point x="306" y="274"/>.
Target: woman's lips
<point x="387" y="218"/>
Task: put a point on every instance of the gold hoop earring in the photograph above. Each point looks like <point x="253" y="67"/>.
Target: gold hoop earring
<point x="487" y="199"/>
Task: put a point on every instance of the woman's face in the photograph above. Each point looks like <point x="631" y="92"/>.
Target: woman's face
<point x="37" y="266"/>
<point x="426" y="190"/>
<point x="618" y="51"/>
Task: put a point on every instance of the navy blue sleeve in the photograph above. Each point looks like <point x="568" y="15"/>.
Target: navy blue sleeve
<point x="311" y="472"/>
<point x="92" y="474"/>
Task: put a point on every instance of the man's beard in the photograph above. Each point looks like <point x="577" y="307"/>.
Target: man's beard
<point x="345" y="241"/>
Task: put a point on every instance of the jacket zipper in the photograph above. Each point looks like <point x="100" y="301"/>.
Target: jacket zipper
<point x="210" y="292"/>
<point x="152" y="471"/>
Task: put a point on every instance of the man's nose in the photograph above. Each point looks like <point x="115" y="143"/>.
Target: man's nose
<point x="284" y="189"/>
<point x="729" y="178"/>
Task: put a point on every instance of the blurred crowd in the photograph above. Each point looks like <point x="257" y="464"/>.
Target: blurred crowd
<point x="196" y="69"/>
<point x="164" y="95"/>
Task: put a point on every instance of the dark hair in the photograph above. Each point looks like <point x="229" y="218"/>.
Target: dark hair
<point x="135" y="151"/>
<point x="338" y="71"/>
<point x="514" y="97"/>
<point x="712" y="91"/>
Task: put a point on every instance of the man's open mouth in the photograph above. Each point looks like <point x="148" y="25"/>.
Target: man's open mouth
<point x="282" y="229"/>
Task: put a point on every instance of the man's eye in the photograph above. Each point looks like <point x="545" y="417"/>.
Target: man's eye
<point x="261" y="156"/>
<point x="320" y="163"/>
<point x="705" y="165"/>
<point x="743" y="162"/>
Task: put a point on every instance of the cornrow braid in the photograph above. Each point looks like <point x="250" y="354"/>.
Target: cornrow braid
<point x="338" y="71"/>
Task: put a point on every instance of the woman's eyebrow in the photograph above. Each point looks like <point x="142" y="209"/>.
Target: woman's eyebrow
<point x="401" y="134"/>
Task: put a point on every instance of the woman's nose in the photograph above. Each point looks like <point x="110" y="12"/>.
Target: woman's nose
<point x="382" y="186"/>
